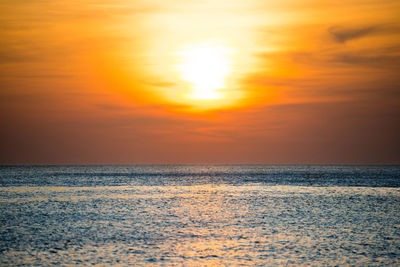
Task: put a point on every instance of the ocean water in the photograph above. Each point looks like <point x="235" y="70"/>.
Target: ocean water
<point x="248" y="215"/>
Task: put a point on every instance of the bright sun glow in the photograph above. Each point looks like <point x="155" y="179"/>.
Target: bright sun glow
<point x="206" y="67"/>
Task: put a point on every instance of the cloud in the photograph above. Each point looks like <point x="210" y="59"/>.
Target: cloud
<point x="368" y="60"/>
<point x="383" y="58"/>
<point x="343" y="34"/>
<point x="11" y="56"/>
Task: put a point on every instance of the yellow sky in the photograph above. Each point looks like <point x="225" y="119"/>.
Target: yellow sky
<point x="208" y="81"/>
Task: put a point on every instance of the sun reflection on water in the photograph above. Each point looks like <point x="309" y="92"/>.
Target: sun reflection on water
<point x="199" y="225"/>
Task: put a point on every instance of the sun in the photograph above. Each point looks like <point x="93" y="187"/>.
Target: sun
<point x="206" y="67"/>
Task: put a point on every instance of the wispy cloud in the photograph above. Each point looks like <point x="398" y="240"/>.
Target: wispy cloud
<point x="343" y="34"/>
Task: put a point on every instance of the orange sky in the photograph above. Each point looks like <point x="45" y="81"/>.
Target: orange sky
<point x="199" y="81"/>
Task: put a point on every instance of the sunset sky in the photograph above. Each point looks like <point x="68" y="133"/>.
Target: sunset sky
<point x="159" y="81"/>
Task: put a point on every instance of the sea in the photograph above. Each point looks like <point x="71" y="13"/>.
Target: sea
<point x="200" y="215"/>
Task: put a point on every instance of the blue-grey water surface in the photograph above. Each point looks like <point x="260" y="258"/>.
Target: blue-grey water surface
<point x="257" y="215"/>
